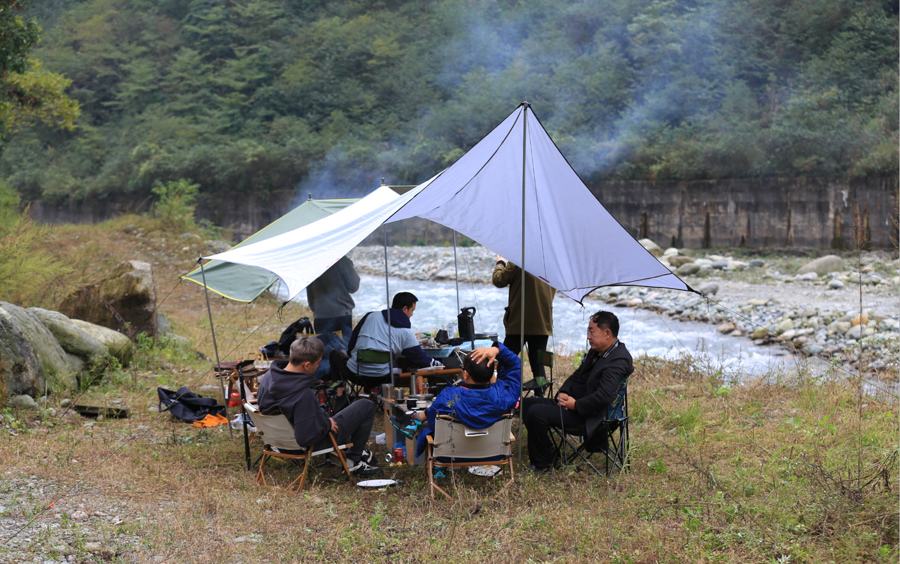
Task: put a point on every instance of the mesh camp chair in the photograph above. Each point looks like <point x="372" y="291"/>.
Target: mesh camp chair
<point x="610" y="440"/>
<point x="454" y="445"/>
<point x="545" y="383"/>
<point x="277" y="436"/>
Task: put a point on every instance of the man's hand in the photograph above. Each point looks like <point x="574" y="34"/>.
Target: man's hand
<point x="334" y="425"/>
<point x="499" y="259"/>
<point x="566" y="401"/>
<point x="489" y="353"/>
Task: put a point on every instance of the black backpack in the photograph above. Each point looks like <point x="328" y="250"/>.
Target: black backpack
<point x="188" y="406"/>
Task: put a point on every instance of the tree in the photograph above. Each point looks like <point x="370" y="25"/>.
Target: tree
<point x="28" y="92"/>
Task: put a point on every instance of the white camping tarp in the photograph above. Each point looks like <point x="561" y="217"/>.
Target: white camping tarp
<point x="300" y="256"/>
<point x="571" y="241"/>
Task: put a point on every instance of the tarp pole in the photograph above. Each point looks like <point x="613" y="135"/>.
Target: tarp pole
<point x="387" y="297"/>
<point x="456" y="268"/>
<point x="216" y="348"/>
<point x="522" y="282"/>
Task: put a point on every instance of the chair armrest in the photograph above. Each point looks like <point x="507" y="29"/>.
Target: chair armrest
<point x="430" y="439"/>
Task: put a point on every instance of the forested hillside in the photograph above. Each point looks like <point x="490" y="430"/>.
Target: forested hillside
<point x="329" y="96"/>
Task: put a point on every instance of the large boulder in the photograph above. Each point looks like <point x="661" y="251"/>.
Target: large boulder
<point x="823" y="265"/>
<point x="117" y="344"/>
<point x="680" y="260"/>
<point x="652" y="247"/>
<point x="30" y="358"/>
<point x="70" y="337"/>
<point x="124" y="300"/>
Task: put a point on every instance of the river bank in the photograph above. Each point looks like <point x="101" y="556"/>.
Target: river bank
<point x="830" y="316"/>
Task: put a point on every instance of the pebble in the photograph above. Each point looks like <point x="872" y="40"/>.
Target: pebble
<point x="79" y="515"/>
<point x="835" y="284"/>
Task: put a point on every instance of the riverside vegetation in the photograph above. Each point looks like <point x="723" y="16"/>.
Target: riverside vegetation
<point x="255" y="96"/>
<point x="787" y="468"/>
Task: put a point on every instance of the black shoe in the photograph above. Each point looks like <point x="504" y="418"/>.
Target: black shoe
<point x="537" y="471"/>
<point x="368" y="457"/>
<point x="363" y="470"/>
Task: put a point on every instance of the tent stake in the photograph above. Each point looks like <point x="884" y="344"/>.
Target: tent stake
<point x="522" y="280"/>
<point x="216" y="348"/>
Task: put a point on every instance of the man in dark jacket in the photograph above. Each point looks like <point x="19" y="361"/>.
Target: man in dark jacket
<point x="583" y="401"/>
<point x="330" y="301"/>
<point x="286" y="388"/>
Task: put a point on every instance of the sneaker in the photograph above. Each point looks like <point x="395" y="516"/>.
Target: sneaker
<point x="368" y="457"/>
<point x="363" y="470"/>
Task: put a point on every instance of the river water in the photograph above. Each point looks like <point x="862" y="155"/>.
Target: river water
<point x="643" y="331"/>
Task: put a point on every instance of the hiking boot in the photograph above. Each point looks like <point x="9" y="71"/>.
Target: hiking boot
<point x="363" y="470"/>
<point x="537" y="470"/>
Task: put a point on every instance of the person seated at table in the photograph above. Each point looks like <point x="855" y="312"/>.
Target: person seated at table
<point x="372" y="333"/>
<point x="477" y="403"/>
<point x="286" y="387"/>
<point x="583" y="400"/>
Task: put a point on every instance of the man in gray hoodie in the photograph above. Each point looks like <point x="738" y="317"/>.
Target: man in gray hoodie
<point x="286" y="388"/>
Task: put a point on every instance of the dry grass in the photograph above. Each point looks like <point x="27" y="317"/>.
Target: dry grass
<point x="767" y="471"/>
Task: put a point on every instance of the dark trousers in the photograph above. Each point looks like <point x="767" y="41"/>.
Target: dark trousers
<point x="354" y="426"/>
<point x="344" y="324"/>
<point x="534" y="343"/>
<point x="539" y="414"/>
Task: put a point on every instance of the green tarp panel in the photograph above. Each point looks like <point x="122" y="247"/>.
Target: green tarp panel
<point x="244" y="283"/>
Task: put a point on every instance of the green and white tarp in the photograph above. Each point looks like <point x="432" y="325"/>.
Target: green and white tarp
<point x="244" y="283"/>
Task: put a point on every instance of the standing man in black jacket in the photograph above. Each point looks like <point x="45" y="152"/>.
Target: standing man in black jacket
<point x="583" y="401"/>
<point x="286" y="387"/>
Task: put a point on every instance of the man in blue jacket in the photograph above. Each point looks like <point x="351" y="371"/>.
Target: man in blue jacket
<point x="478" y="403"/>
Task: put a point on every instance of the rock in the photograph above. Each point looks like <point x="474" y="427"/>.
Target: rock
<point x="784" y="326"/>
<point x="651" y="247"/>
<point x="128" y="289"/>
<point x="688" y="269"/>
<point x="807" y="276"/>
<point x="726" y="328"/>
<point x="757" y="263"/>
<point x="757" y="302"/>
<point x="679" y="260"/>
<point x="117" y="344"/>
<point x="835" y="284"/>
<point x="842" y="326"/>
<point x="32" y="360"/>
<point x="720" y="264"/>
<point x="23" y="401"/>
<point x="854" y="332"/>
<point x="73" y="340"/>
<point x="709" y="289"/>
<point x="180" y="341"/>
<point x="65" y="403"/>
<point x="163" y="327"/>
<point x="812" y="349"/>
<point x="823" y="265"/>
<point x="80" y="516"/>
<point x="788" y="335"/>
<point x="670" y="252"/>
<point x="809" y="312"/>
<point x="760" y="333"/>
<point x="635" y="302"/>
<point x="737" y="265"/>
<point x="859" y="319"/>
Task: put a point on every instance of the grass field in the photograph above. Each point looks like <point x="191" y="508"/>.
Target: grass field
<point x="789" y="468"/>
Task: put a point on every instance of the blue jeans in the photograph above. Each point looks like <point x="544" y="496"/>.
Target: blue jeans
<point x="344" y="324"/>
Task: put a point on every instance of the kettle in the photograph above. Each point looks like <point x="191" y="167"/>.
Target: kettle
<point x="466" y="320"/>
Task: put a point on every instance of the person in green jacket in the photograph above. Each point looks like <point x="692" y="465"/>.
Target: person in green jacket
<point x="538" y="317"/>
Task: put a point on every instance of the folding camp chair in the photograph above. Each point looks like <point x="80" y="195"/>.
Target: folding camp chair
<point x="454" y="445"/>
<point x="545" y="383"/>
<point x="611" y="439"/>
<point x="367" y="384"/>
<point x="278" y="435"/>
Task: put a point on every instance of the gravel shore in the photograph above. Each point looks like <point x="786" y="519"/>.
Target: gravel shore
<point x="835" y="315"/>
